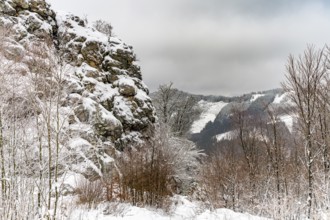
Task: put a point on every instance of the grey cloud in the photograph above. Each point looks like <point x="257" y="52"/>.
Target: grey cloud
<point x="214" y="46"/>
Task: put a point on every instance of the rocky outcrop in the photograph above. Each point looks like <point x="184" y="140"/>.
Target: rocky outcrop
<point x="106" y="103"/>
<point x="32" y="18"/>
<point x="112" y="96"/>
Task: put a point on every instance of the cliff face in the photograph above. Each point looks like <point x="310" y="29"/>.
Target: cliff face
<point x="103" y="102"/>
<point x="106" y="88"/>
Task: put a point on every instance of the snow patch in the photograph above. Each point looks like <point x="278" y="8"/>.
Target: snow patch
<point x="279" y="98"/>
<point x="224" y="136"/>
<point x="210" y="110"/>
<point x="88" y="32"/>
<point x="256" y="96"/>
<point x="78" y="143"/>
<point x="288" y="121"/>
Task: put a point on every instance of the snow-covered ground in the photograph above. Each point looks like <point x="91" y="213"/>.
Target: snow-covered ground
<point x="225" y="136"/>
<point x="279" y="98"/>
<point x="288" y="121"/>
<point x="184" y="209"/>
<point x="210" y="110"/>
<point x="256" y="96"/>
<point x="283" y="99"/>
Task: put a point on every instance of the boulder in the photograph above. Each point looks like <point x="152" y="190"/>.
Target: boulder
<point x="41" y="7"/>
<point x="6" y="8"/>
<point x="21" y="3"/>
<point x="91" y="53"/>
<point x="127" y="90"/>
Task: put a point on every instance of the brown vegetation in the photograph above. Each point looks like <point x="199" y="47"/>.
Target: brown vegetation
<point x="269" y="171"/>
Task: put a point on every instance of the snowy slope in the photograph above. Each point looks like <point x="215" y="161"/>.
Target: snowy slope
<point x="225" y="136"/>
<point x="288" y="121"/>
<point x="279" y="98"/>
<point x="282" y="100"/>
<point x="209" y="112"/>
<point x="256" y="96"/>
<point x="184" y="210"/>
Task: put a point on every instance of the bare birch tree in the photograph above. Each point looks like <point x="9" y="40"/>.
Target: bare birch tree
<point x="304" y="78"/>
<point x="175" y="109"/>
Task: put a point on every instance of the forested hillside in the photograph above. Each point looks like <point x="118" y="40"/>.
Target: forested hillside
<point x="268" y="152"/>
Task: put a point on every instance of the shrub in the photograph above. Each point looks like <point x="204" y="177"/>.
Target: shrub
<point x="103" y="27"/>
<point x="145" y="176"/>
<point x="150" y="174"/>
<point x="90" y="193"/>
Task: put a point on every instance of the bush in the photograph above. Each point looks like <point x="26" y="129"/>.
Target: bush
<point x="150" y="174"/>
<point x="103" y="27"/>
<point x="145" y="176"/>
<point x="90" y="193"/>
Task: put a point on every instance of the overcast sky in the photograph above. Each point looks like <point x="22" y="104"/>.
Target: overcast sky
<point x="219" y="47"/>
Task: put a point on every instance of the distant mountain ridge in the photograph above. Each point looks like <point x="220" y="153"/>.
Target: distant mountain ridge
<point x="219" y="125"/>
<point x="243" y="97"/>
<point x="213" y="123"/>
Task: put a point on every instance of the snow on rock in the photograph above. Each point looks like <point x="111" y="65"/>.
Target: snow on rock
<point x="107" y="105"/>
<point x="210" y="110"/>
<point x="107" y="71"/>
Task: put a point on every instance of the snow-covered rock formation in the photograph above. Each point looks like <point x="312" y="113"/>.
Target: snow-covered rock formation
<point x="104" y="103"/>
